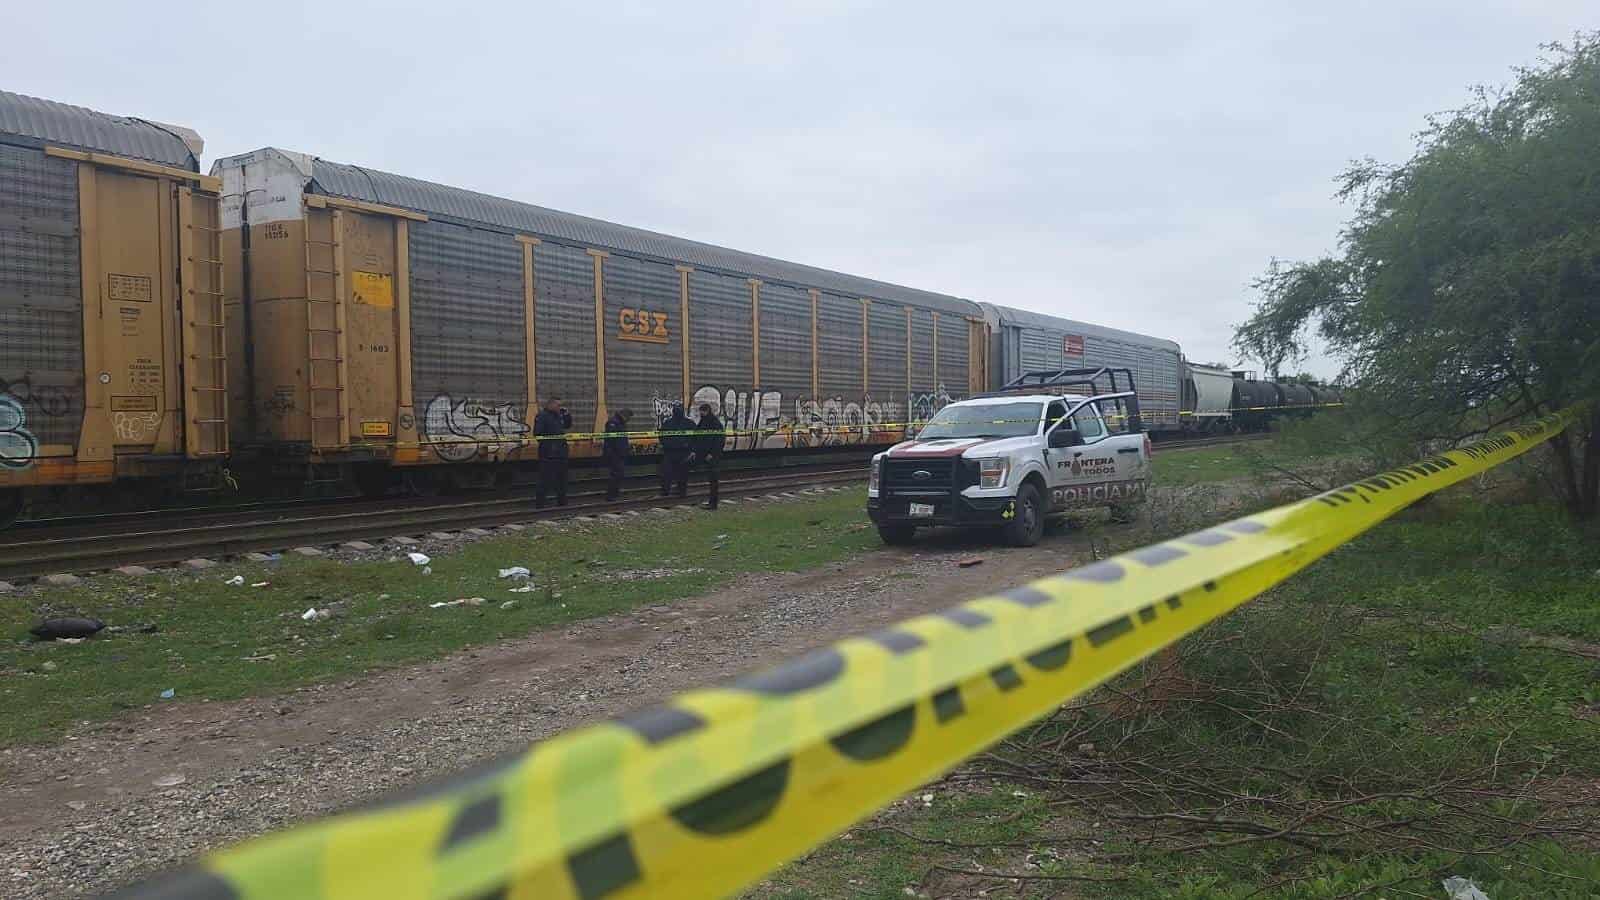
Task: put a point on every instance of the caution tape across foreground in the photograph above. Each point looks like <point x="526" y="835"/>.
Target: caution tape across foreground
<point x="706" y="793"/>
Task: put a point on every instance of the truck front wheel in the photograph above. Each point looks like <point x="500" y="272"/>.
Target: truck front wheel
<point x="1027" y="519"/>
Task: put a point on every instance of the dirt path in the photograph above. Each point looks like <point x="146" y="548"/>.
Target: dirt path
<point x="86" y="815"/>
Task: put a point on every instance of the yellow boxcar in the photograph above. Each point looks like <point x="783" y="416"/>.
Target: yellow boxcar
<point x="112" y="353"/>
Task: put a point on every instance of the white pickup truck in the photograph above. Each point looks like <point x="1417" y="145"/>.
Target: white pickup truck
<point x="1011" y="461"/>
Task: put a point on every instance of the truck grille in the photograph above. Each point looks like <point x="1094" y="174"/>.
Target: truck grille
<point x="919" y="477"/>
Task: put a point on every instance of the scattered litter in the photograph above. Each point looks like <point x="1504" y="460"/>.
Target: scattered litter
<point x="69" y="627"/>
<point x="461" y="601"/>
<point x="265" y="657"/>
<point x="525" y="589"/>
<point x="419" y="559"/>
<point x="169" y="693"/>
<point x="509" y="604"/>
<point x="651" y="574"/>
<point x="970" y="561"/>
<point x="81" y="640"/>
<point x="721" y="537"/>
<point x="235" y="581"/>
<point x="172" y="780"/>
<point x="382" y="597"/>
<point x="147" y="628"/>
<point x="259" y="583"/>
<point x="1019" y="793"/>
<point x="316" y="615"/>
<point x="47" y="666"/>
<point x="1463" y="889"/>
<point x="927" y="799"/>
<point x="427" y="570"/>
<point x="515" y="572"/>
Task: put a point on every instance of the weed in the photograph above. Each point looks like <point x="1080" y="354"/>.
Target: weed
<point x="220" y="642"/>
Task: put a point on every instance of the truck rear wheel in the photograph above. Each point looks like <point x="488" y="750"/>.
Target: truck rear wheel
<point x="897" y="535"/>
<point x="1027" y="520"/>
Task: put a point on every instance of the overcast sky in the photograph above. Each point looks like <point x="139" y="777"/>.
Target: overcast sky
<point x="1132" y="166"/>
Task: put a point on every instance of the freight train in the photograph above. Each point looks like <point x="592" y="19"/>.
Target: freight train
<point x="291" y="319"/>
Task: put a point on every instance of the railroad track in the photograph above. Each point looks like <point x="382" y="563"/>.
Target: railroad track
<point x="1217" y="441"/>
<point x="217" y="535"/>
<point x="163" y="537"/>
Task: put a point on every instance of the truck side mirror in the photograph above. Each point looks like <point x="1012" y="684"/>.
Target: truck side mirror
<point x="1065" y="437"/>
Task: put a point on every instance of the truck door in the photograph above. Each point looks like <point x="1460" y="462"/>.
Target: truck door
<point x="1057" y="460"/>
<point x="1105" y="468"/>
<point x="1132" y="475"/>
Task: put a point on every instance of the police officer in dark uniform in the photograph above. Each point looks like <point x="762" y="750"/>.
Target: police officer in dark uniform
<point x="615" y="452"/>
<point x="550" y="429"/>
<point x="708" y="450"/>
<point x="677" y="443"/>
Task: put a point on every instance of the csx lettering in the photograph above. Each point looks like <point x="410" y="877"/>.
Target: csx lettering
<point x="642" y="325"/>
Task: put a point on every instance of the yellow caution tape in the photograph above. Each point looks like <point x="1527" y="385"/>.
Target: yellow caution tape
<point x="706" y="793"/>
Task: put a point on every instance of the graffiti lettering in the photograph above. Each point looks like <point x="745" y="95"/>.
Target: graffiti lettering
<point x="17" y="446"/>
<point x="50" y="401"/>
<point x="830" y="422"/>
<point x="758" y="417"/>
<point x="463" y="430"/>
<point x="133" y="428"/>
<point x="923" y="406"/>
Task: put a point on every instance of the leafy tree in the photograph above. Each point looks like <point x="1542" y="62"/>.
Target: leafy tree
<point x="1466" y="292"/>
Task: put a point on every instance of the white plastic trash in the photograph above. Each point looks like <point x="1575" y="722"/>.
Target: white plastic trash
<point x="236" y="580"/>
<point x="418" y="559"/>
<point x="1463" y="889"/>
<point x="515" y="572"/>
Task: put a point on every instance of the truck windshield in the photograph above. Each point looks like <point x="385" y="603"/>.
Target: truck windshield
<point x="988" y="420"/>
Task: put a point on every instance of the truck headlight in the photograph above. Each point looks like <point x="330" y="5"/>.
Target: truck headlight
<point x="992" y="472"/>
<point x="872" y="480"/>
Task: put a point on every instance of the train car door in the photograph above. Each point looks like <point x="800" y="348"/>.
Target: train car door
<point x="137" y="297"/>
<point x="368" y="257"/>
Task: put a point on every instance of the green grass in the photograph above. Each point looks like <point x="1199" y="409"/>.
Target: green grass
<point x="209" y="631"/>
<point x="1386" y="669"/>
<point x="1181" y="468"/>
<point x="1255" y="459"/>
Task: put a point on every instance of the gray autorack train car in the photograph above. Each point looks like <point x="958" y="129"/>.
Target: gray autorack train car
<point x="384" y="323"/>
<point x="1023" y="341"/>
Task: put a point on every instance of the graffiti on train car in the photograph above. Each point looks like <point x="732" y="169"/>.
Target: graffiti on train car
<point x="465" y="430"/>
<point x="17" y="445"/>
<point x="923" y="406"/>
<point x="49" y="400"/>
<point x="135" y="427"/>
<point x="834" y="421"/>
<point x="758" y="418"/>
